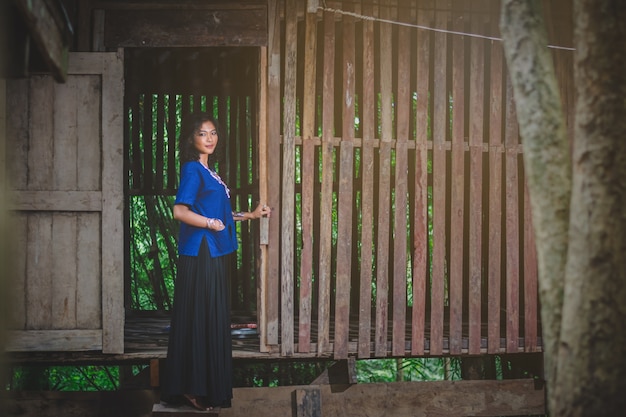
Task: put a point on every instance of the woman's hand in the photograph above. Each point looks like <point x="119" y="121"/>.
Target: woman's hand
<point x="215" y="224"/>
<point x="261" y="211"/>
<point x="184" y="214"/>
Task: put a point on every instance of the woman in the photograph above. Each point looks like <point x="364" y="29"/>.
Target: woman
<point x="199" y="357"/>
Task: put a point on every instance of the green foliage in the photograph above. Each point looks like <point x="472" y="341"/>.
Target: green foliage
<point x="407" y="369"/>
<point x="64" y="378"/>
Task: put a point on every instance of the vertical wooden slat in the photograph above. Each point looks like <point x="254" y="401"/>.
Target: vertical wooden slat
<point x="39" y="303"/>
<point x="512" y="224"/>
<point x="172" y="175"/>
<point x="65" y="173"/>
<point x="326" y="199"/>
<point x="148" y="139"/>
<point x="88" y="248"/>
<point x="476" y="115"/>
<point x="457" y="183"/>
<point x="41" y="140"/>
<point x="384" y="187"/>
<point x="159" y="143"/>
<point x="530" y="279"/>
<point x="263" y="267"/>
<point x="16" y="169"/>
<point x="270" y="336"/>
<point x="287" y="276"/>
<point x="40" y="175"/>
<point x="136" y="180"/>
<point x="65" y="146"/>
<point x="495" y="199"/>
<point x="18" y="287"/>
<point x="420" y="233"/>
<point x="345" y="198"/>
<point x="17" y="130"/>
<point x="367" y="187"/>
<point x="63" y="271"/>
<point x="88" y="164"/>
<point x="440" y="126"/>
<point x="403" y="105"/>
<point x="112" y="198"/>
<point x="308" y="175"/>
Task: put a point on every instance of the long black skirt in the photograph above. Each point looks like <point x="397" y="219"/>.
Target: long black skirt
<point x="199" y="354"/>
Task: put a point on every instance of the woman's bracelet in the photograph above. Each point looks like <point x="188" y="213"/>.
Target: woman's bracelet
<point x="209" y="223"/>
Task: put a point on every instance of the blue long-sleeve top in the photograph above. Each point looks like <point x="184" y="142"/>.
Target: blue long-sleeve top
<point x="206" y="194"/>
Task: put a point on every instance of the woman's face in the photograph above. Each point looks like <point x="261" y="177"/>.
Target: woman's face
<point x="205" y="139"/>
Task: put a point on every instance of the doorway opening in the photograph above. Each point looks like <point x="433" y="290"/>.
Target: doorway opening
<point x="161" y="86"/>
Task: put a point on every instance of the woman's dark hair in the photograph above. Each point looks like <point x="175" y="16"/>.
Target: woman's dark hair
<point x="190" y="125"/>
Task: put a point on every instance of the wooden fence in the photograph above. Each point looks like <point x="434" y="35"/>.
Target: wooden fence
<point x="404" y="217"/>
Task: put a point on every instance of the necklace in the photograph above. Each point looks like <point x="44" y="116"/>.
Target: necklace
<point x="218" y="179"/>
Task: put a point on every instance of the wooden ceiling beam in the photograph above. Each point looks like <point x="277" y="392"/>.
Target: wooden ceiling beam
<point x="43" y="26"/>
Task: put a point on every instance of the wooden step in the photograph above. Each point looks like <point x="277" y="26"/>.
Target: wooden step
<point x="166" y="410"/>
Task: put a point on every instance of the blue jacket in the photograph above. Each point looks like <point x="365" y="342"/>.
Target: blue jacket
<point x="205" y="193"/>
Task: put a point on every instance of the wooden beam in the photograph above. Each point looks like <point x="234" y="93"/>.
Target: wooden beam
<point x="169" y="28"/>
<point x="398" y="399"/>
<point x="39" y="17"/>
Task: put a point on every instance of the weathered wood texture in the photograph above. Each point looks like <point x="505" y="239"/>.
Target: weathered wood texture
<point x="176" y="28"/>
<point x="410" y="189"/>
<point x="398" y="399"/>
<point x="50" y="31"/>
<point x="64" y="157"/>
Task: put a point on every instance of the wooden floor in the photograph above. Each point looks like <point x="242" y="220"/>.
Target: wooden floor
<point x="146" y="337"/>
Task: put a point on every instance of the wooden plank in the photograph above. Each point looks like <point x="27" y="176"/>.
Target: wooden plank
<point x="263" y="266"/>
<point x="440" y="123"/>
<point x="65" y="143"/>
<point x="41" y="139"/>
<point x="88" y="271"/>
<point x="326" y="199"/>
<point x="159" y="143"/>
<point x="54" y="340"/>
<point x="177" y="28"/>
<point x="308" y="175"/>
<point x="476" y="116"/>
<point x="17" y="255"/>
<point x="112" y="203"/>
<point x="457" y="183"/>
<point x="88" y="163"/>
<point x="403" y="106"/>
<point x="384" y="186"/>
<point x="56" y="200"/>
<point x="14" y="164"/>
<point x="420" y="226"/>
<point x="17" y="129"/>
<point x="494" y="268"/>
<point x="398" y="399"/>
<point x="49" y="37"/>
<point x="367" y="107"/>
<point x="63" y="271"/>
<point x="308" y="402"/>
<point x="270" y="335"/>
<point x="346" y="195"/>
<point x="512" y="223"/>
<point x="39" y="264"/>
<point x="531" y="294"/>
<point x="287" y="276"/>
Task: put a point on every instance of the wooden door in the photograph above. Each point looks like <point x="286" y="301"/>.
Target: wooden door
<point x="64" y="161"/>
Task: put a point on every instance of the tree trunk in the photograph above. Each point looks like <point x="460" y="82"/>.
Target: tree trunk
<point x="591" y="362"/>
<point x="547" y="161"/>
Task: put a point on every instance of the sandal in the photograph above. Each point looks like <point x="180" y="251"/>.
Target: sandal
<point x="193" y="402"/>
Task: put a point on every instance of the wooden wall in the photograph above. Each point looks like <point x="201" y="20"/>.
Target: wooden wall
<point x="404" y="223"/>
